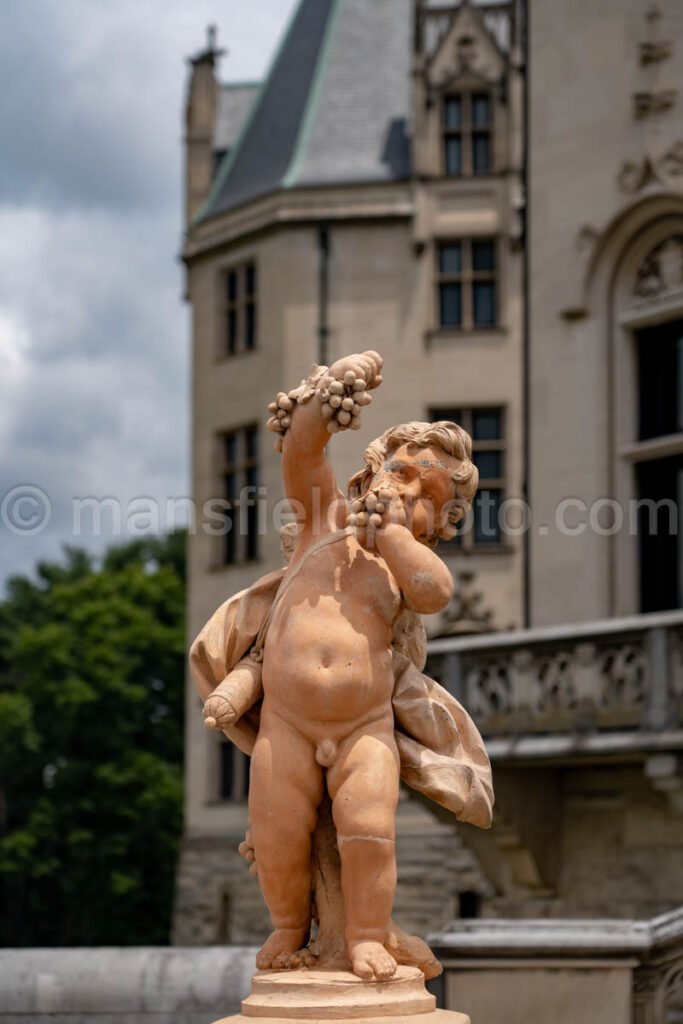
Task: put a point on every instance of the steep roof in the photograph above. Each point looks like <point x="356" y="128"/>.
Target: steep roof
<point x="334" y="108"/>
<point x="234" y="103"/>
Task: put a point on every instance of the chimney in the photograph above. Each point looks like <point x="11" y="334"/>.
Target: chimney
<point x="200" y="116"/>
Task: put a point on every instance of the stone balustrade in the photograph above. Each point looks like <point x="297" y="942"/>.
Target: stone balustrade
<point x="498" y="971"/>
<point x="601" y="686"/>
<point x="596" y="971"/>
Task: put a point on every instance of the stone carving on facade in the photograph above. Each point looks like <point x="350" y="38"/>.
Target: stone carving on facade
<point x="466" y="51"/>
<point x="470" y="65"/>
<point x="666" y="170"/>
<point x="578" y="682"/>
<point x="465" y="613"/>
<point x="658" y="993"/>
<point x="661" y="272"/>
<point x="658" y="167"/>
<point x="435" y="23"/>
<point x="672" y="994"/>
<point x="634" y="175"/>
<point x="316" y="673"/>
<point x="587" y="238"/>
<point x="650" y="104"/>
<point x="654" y="52"/>
<point x="671" y="164"/>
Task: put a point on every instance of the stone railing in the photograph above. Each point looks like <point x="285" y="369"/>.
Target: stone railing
<point x="498" y="971"/>
<point x="614" y="681"/>
<point x="131" y="985"/>
<point x="594" y="971"/>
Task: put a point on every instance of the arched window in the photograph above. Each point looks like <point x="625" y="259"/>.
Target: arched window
<point x="647" y="414"/>
<point x="625" y="320"/>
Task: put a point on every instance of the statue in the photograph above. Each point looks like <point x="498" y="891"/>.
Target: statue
<point x="316" y="671"/>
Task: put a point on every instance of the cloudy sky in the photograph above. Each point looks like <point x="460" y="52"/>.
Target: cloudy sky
<point x="94" y="340"/>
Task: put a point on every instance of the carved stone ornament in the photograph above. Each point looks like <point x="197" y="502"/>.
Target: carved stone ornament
<point x="470" y="64"/>
<point x="661" y="272"/>
<point x="635" y="175"/>
<point x="582" y="678"/>
<point x="587" y="238"/>
<point x="672" y="162"/>
<point x="673" y="992"/>
<point x="650" y="104"/>
<point x="654" y="52"/>
<point x="465" y="613"/>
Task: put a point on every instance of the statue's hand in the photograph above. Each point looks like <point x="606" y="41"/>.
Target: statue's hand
<point x="218" y="712"/>
<point x="345" y="389"/>
<point x="374" y="510"/>
<point x="366" y="366"/>
<point x="342" y="389"/>
<point x="246" y="848"/>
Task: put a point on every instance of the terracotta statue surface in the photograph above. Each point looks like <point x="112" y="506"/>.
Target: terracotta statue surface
<point x="316" y="671"/>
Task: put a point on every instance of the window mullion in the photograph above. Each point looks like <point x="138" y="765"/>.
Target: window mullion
<point x="467" y="306"/>
<point x="468" y="160"/>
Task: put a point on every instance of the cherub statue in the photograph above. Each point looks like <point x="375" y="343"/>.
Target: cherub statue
<point x="319" y="673"/>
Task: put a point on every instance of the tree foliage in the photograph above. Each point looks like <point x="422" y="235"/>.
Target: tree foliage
<point x="91" y="706"/>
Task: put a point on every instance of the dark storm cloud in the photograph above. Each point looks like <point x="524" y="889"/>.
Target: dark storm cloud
<point x="94" y="341"/>
<point x="82" y="101"/>
<point x="91" y="111"/>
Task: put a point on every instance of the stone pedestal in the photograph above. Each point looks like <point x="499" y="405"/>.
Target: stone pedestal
<point x="331" y="996"/>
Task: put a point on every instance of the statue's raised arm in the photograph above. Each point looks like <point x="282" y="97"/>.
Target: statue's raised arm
<point x="328" y="401"/>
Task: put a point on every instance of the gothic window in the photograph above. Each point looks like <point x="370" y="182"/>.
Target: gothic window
<point x="486" y="427"/>
<point x="467" y="284"/>
<point x="467" y="129"/>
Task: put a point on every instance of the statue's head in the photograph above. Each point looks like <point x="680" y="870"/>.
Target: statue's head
<point x="429" y="466"/>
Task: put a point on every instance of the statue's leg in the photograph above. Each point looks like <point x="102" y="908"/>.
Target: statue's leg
<point x="363" y="784"/>
<point x="285" y="789"/>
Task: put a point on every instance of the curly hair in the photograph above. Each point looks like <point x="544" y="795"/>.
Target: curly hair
<point x="449" y="438"/>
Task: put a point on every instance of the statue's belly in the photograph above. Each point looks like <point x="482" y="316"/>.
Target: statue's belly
<point x="318" y="666"/>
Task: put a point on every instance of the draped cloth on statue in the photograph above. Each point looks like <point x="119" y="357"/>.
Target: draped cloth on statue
<point x="441" y="751"/>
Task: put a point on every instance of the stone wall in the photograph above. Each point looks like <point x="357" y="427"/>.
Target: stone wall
<point x="218" y="901"/>
<point x="612" y="844"/>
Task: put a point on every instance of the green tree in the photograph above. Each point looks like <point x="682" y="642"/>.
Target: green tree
<point x="91" y="707"/>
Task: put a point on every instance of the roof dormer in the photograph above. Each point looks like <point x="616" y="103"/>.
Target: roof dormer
<point x="460" y="81"/>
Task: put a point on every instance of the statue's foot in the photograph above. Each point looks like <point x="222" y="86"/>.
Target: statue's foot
<point x="413" y="951"/>
<point x="307" y="957"/>
<point x="292" y="961"/>
<point x="370" y="960"/>
<point x="280" y="949"/>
